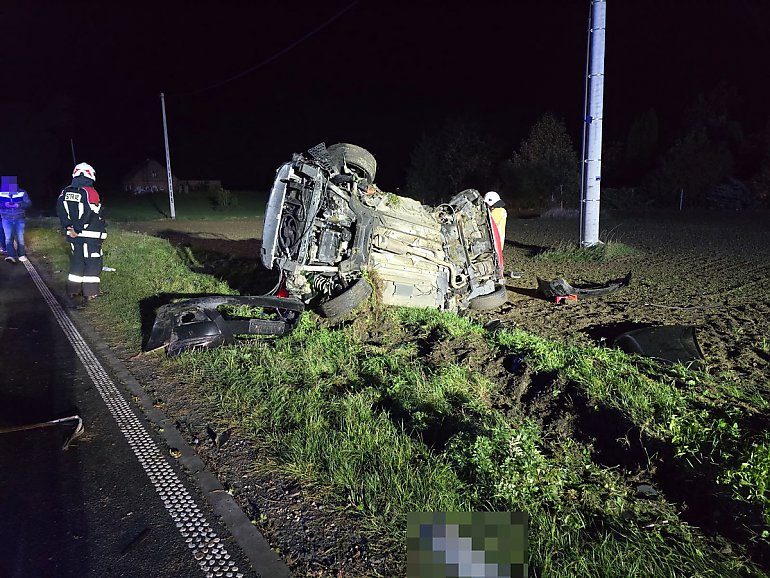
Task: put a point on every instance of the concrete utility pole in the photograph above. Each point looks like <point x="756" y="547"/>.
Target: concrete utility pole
<point x="168" y="159"/>
<point x="592" y="129"/>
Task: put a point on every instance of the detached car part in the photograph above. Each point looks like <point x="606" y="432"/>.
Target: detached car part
<point x="560" y="288"/>
<point x="78" y="431"/>
<point x="672" y="343"/>
<point x="326" y="225"/>
<point x="198" y="324"/>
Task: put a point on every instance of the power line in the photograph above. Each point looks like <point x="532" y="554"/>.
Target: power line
<point x="278" y="54"/>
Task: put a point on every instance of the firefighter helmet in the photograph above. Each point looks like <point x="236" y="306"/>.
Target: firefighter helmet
<point x="491" y="198"/>
<point x="84" y="169"/>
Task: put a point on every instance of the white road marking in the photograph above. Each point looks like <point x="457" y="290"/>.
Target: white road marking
<point x="211" y="555"/>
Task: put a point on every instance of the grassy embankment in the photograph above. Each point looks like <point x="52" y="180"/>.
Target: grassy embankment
<point x="363" y="416"/>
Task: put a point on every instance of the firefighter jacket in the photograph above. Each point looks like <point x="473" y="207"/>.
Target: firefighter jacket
<point x="79" y="207"/>
<point x="13" y="204"/>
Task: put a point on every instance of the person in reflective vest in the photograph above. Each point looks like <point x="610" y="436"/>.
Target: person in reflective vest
<point x="80" y="213"/>
<point x="499" y="216"/>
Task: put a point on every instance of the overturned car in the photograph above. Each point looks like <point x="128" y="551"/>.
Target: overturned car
<point x="328" y="228"/>
<point x="332" y="235"/>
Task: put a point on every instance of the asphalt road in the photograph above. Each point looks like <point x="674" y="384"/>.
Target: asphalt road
<point x="115" y="503"/>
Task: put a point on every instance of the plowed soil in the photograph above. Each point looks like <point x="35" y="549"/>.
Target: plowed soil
<point x="708" y="271"/>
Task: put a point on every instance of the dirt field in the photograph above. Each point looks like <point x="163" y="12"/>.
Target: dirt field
<point x="706" y="271"/>
<point x="709" y="271"/>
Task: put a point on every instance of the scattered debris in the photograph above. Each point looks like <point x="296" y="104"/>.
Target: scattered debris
<point x="219" y="439"/>
<point x="646" y="491"/>
<point x="566" y="298"/>
<point x="559" y="289"/>
<point x="196" y="323"/>
<point x="513" y="363"/>
<point x="671" y="343"/>
<point x="79" y="429"/>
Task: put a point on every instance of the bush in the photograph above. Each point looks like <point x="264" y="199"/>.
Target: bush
<point x="226" y="198"/>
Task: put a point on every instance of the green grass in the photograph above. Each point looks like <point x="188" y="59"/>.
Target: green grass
<point x="387" y="425"/>
<point x="385" y="433"/>
<point x="148" y="207"/>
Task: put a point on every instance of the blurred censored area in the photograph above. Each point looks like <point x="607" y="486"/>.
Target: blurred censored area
<point x="467" y="544"/>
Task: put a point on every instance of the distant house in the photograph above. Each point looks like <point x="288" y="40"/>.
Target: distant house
<point x="151" y="177"/>
<point x="148" y="177"/>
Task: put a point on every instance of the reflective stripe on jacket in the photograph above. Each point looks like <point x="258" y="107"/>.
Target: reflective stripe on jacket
<point x="13" y="204"/>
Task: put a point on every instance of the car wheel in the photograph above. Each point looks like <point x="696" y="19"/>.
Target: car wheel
<point x="492" y="300"/>
<point x="345" y="302"/>
<point x="358" y="159"/>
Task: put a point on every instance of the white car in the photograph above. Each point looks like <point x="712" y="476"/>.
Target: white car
<point x="333" y="235"/>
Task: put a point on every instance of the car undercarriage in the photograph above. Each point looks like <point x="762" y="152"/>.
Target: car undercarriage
<point x="327" y="226"/>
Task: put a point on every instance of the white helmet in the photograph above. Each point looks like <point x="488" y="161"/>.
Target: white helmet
<point x="84" y="169"/>
<point x="491" y="198"/>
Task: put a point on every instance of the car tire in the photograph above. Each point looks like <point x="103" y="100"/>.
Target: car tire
<point x="355" y="157"/>
<point x="345" y="302"/>
<point x="492" y="300"/>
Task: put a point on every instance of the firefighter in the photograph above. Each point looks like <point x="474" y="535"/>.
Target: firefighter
<point x="498" y="213"/>
<point x="80" y="212"/>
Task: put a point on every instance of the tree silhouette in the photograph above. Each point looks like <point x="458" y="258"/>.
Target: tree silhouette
<point x="703" y="156"/>
<point x="460" y="155"/>
<point x="545" y="170"/>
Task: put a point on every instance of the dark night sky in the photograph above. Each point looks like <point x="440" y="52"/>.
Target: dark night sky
<point x="375" y="73"/>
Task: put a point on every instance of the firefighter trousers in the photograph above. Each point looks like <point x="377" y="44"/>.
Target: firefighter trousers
<point x="85" y="268"/>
